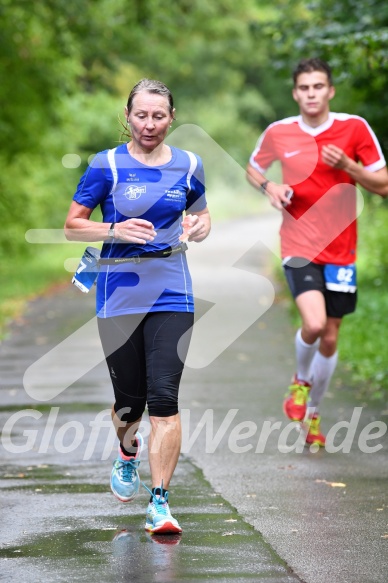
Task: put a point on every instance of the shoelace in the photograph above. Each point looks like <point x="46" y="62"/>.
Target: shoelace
<point x="161" y="507"/>
<point x="300" y="393"/>
<point x="127" y="468"/>
<point x="161" y="503"/>
<point x="315" y="425"/>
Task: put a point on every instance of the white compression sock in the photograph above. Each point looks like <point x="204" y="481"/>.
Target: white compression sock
<point x="304" y="356"/>
<point x="322" y="369"/>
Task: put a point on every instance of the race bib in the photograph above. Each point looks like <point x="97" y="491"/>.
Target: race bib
<point x="341" y="278"/>
<point x="87" y="270"/>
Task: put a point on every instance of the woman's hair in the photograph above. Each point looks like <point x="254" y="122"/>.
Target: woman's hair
<point x="152" y="87"/>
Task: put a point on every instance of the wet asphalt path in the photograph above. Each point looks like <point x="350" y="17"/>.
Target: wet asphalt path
<point x="252" y="508"/>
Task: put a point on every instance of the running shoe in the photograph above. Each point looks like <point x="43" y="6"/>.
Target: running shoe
<point x="159" y="519"/>
<point x="125" y="481"/>
<point x="295" y="403"/>
<point x="314" y="436"/>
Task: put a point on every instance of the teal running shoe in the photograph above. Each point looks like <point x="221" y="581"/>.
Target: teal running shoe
<point x="125" y="480"/>
<point x="159" y="519"/>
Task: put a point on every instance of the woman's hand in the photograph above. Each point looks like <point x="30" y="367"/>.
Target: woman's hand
<point x="195" y="227"/>
<point x="135" y="231"/>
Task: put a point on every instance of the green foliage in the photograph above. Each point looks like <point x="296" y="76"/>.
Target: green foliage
<point x="68" y="73"/>
<point x="373" y="243"/>
<point x="351" y="35"/>
<point x="360" y="342"/>
<point x="362" y="332"/>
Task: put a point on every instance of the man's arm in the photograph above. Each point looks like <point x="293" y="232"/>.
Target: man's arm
<point x="375" y="182"/>
<point x="277" y="193"/>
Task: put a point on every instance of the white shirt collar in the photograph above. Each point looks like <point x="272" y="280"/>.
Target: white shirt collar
<point x="319" y="129"/>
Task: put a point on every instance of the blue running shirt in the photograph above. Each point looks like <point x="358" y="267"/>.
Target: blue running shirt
<point x="125" y="188"/>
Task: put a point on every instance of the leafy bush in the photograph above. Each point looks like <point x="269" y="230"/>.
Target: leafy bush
<point x="362" y="333"/>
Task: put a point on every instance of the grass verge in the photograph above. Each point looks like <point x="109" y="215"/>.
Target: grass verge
<point x="27" y="277"/>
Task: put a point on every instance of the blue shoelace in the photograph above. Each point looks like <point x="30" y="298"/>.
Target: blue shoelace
<point x="160" y="502"/>
<point x="128" y="469"/>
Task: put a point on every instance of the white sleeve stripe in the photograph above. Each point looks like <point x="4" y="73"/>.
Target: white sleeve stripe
<point x="113" y="167"/>
<point x="381" y="162"/>
<point x="255" y="165"/>
<point x="112" y="164"/>
<point x="376" y="166"/>
<point x="254" y="153"/>
<point x="193" y="166"/>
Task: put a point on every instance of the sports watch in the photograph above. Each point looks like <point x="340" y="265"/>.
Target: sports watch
<point x="111" y="231"/>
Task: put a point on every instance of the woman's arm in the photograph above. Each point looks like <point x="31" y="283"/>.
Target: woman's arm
<point x="79" y="227"/>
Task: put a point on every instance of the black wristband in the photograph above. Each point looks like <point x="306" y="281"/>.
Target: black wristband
<point x="263" y="187"/>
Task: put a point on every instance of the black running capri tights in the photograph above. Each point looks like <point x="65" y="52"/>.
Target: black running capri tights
<point x="145" y="362"/>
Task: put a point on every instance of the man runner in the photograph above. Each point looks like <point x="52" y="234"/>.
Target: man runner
<point x="320" y="154"/>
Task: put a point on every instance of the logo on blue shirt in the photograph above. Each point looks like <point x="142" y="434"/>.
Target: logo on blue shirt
<point x="134" y="192"/>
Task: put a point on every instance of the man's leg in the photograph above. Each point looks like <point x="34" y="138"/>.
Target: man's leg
<point x="322" y="369"/>
<point x="324" y="362"/>
<point x="312" y="309"/>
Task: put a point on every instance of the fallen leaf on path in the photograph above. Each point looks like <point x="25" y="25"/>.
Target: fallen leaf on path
<point x="332" y="484"/>
<point x="14" y="476"/>
<point x="228" y="534"/>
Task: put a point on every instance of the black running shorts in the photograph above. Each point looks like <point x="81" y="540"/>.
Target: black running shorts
<point x="303" y="276"/>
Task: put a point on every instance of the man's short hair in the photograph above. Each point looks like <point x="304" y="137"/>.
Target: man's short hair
<point x="311" y="65"/>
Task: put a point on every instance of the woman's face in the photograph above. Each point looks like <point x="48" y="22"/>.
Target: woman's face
<point x="149" y="119"/>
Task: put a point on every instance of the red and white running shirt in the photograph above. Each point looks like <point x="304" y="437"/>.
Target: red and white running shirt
<point x="320" y="224"/>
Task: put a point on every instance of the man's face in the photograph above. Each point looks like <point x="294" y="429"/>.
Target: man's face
<point x="312" y="93"/>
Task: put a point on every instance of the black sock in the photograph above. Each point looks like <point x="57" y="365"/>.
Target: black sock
<point x="133" y="451"/>
<point x="158" y="492"/>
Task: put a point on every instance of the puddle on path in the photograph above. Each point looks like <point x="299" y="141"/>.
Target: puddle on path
<point x="74" y="530"/>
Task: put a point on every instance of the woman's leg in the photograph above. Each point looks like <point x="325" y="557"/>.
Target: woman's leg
<point x="122" y="341"/>
<point x="162" y="333"/>
<point x="164" y="447"/>
<point x="123" y="345"/>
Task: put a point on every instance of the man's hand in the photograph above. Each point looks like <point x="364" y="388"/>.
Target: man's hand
<point x="279" y="195"/>
<point x="334" y="157"/>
